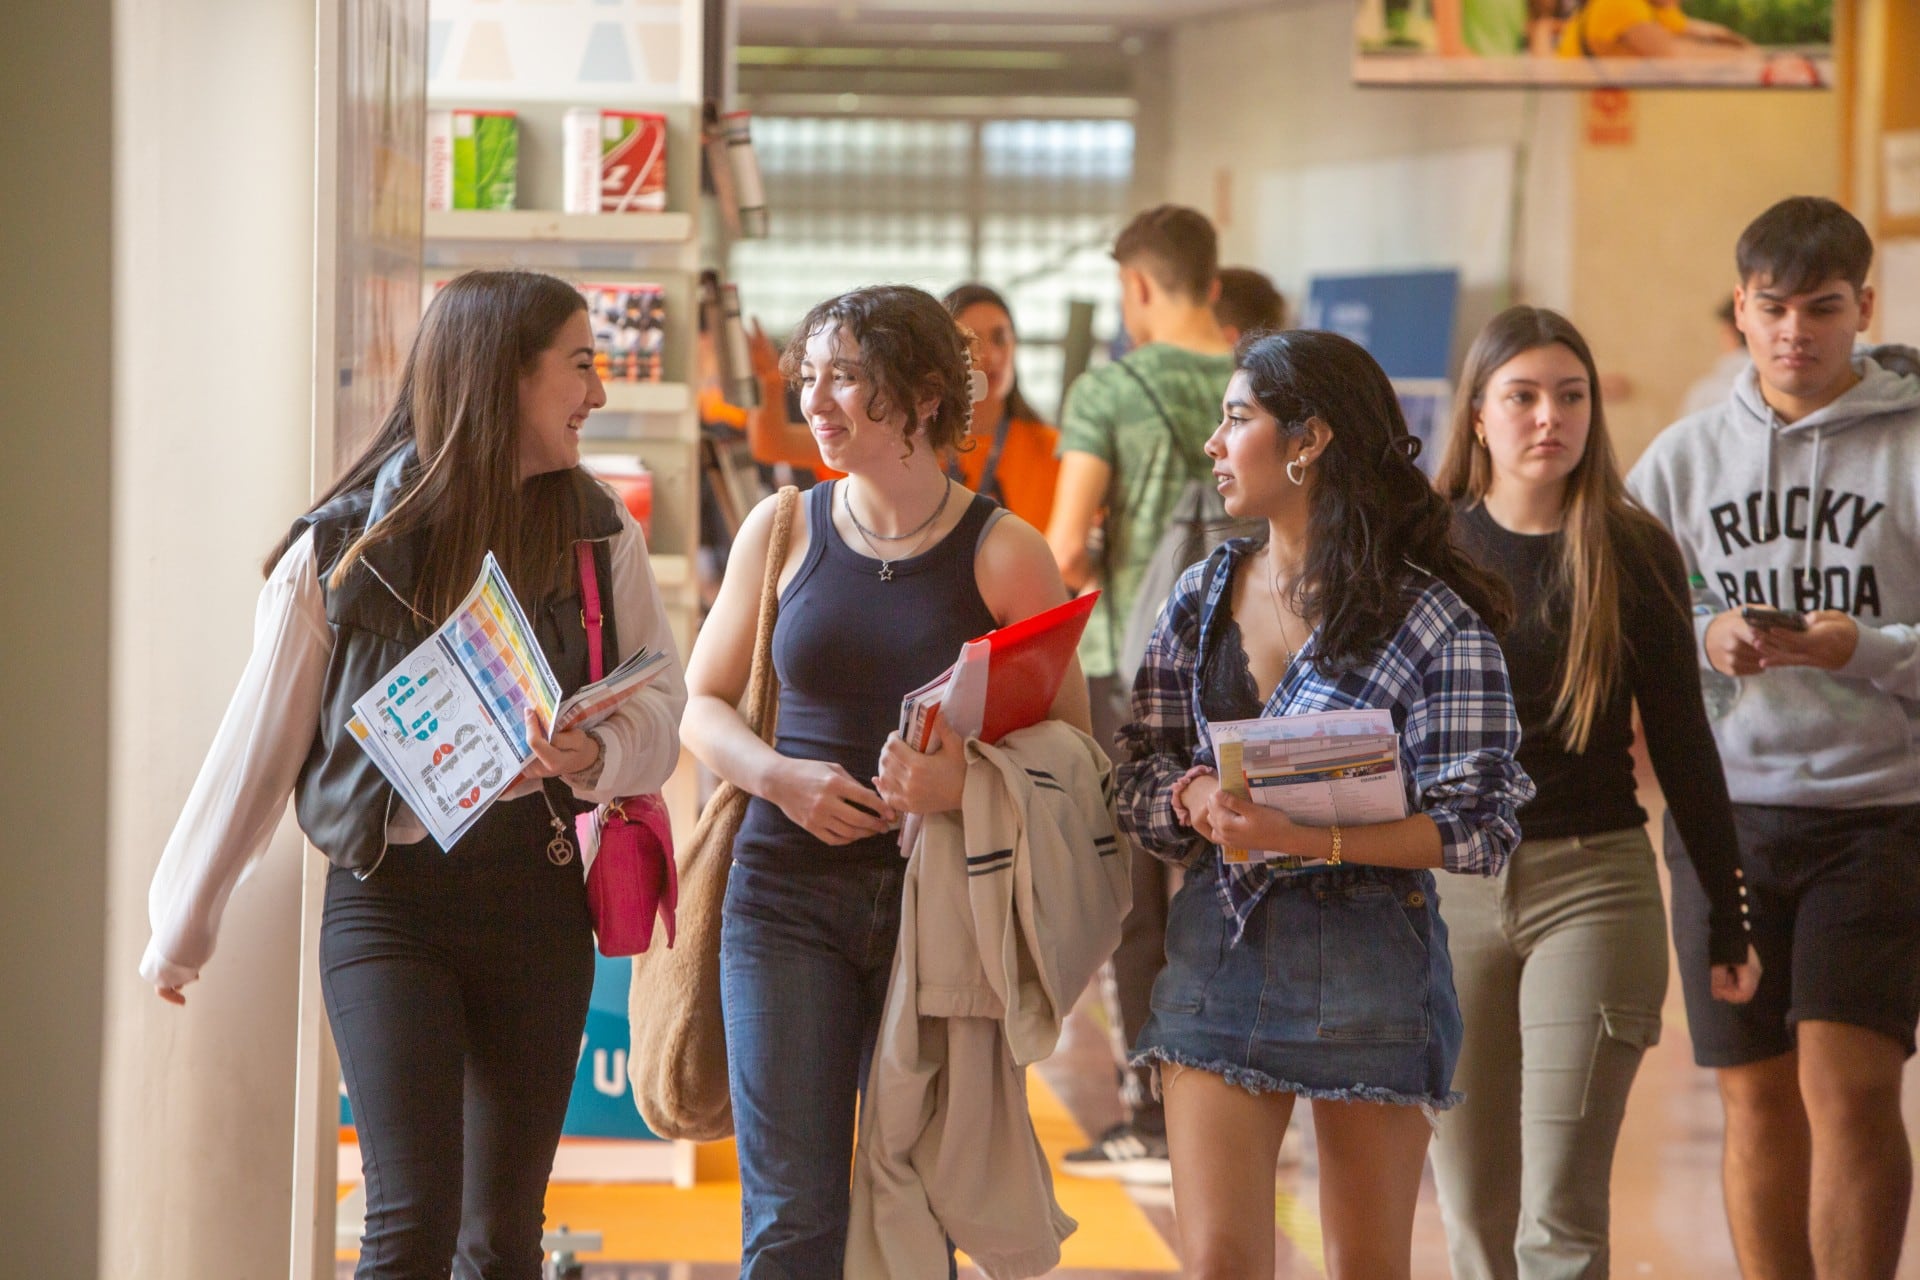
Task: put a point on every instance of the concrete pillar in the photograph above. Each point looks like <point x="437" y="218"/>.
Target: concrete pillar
<point x="56" y="385"/>
<point x="211" y="313"/>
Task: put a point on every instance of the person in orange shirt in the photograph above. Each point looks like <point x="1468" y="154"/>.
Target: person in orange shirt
<point x="1012" y="455"/>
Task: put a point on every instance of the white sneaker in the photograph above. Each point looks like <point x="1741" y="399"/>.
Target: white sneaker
<point x="1125" y="1154"/>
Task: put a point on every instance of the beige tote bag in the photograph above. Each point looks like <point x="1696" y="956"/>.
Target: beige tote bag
<point x="678" y="1062"/>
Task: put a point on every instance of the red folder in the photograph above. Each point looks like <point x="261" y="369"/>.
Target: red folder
<point x="1004" y="680"/>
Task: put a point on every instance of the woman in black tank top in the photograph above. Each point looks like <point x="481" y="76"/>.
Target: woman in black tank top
<point x="891" y="571"/>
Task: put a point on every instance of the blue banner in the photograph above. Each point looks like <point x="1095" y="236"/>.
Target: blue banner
<point x="1405" y="321"/>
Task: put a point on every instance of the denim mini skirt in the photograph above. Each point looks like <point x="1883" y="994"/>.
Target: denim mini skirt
<point x="1340" y="988"/>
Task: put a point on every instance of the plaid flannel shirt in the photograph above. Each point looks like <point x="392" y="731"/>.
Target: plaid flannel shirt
<point x="1440" y="673"/>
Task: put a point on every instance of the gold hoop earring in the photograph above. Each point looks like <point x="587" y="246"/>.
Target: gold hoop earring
<point x="1297" y="471"/>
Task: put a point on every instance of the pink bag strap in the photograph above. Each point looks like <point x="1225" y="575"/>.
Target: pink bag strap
<point x="590" y="615"/>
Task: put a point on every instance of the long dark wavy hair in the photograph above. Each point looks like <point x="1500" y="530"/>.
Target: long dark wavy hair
<point x="962" y="296"/>
<point x="459" y="405"/>
<point x="1372" y="517"/>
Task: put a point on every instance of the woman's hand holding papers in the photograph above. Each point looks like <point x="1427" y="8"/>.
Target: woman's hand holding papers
<point x="932" y="781"/>
<point x="1195" y="800"/>
<point x="569" y="751"/>
<point x="1240" y="823"/>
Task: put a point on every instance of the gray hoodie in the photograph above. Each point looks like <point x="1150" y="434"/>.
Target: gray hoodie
<point x="1823" y="513"/>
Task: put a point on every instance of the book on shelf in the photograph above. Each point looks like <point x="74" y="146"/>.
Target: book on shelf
<point x="1319" y="768"/>
<point x="472" y="160"/>
<point x="629" y="329"/>
<point x="616" y="161"/>
<point x="447" y="725"/>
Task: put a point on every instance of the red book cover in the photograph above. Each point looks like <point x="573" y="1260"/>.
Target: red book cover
<point x="1025" y="664"/>
<point x="1005" y="680"/>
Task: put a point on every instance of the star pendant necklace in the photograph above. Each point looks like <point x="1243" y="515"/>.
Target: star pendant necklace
<point x="870" y="537"/>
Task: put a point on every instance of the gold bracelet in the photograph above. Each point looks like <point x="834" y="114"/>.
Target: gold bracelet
<point x="1333" y="859"/>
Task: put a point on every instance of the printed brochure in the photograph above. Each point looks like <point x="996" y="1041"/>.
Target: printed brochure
<point x="1319" y="769"/>
<point x="448" y="725"/>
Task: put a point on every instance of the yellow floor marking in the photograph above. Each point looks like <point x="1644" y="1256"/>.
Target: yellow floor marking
<point x="641" y="1222"/>
<point x="1300" y="1223"/>
<point x="1114" y="1235"/>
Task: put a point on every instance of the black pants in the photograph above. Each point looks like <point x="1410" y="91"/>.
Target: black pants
<point x="1142" y="951"/>
<point x="457" y="988"/>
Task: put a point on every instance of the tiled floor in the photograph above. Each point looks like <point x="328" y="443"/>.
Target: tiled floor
<point x="1668" y="1218"/>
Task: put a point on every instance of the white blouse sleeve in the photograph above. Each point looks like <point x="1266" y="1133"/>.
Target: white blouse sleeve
<point x="249" y="772"/>
<point x="641" y="740"/>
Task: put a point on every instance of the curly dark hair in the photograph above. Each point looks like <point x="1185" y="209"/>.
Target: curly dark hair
<point x="1372" y="513"/>
<point x="910" y="350"/>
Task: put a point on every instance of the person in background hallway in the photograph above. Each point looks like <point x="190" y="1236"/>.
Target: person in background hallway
<point x="1012" y="459"/>
<point x="890" y="570"/>
<point x="1247" y="303"/>
<point x="1712" y="387"/>
<point x="1797" y="493"/>
<point x="1561" y="959"/>
<point x="1131" y="441"/>
<point x="1318" y="970"/>
<point x="456" y="982"/>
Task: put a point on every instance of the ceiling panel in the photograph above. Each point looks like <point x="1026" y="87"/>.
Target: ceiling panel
<point x="994" y="22"/>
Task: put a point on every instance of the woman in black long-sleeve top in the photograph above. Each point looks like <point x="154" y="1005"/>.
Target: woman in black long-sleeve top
<point x="1561" y="960"/>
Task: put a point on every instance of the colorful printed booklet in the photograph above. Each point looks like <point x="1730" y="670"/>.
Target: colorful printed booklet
<point x="1319" y="769"/>
<point x="448" y="725"/>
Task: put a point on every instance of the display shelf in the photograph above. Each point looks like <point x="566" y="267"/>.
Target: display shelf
<point x="646" y="397"/>
<point x="546" y="226"/>
<point x="656" y="422"/>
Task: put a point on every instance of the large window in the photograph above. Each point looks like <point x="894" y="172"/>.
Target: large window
<point x="1027" y="206"/>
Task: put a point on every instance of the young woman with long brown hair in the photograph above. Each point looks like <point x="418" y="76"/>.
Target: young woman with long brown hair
<point x="456" y="982"/>
<point x="1561" y="960"/>
<point x="1320" y="971"/>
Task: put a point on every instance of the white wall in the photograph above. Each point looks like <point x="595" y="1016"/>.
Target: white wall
<point x="1632" y="240"/>
<point x="1260" y="98"/>
<point x="212" y="306"/>
<point x="55" y="419"/>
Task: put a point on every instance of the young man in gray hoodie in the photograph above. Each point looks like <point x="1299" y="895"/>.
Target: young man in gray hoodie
<point x="1801" y="494"/>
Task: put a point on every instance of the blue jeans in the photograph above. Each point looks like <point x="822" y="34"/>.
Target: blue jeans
<point x="804" y="962"/>
<point x="1341" y="988"/>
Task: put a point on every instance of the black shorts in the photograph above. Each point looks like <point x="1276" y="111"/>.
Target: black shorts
<point x="1834" y="900"/>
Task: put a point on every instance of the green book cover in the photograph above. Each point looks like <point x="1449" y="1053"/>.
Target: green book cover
<point x="486" y="159"/>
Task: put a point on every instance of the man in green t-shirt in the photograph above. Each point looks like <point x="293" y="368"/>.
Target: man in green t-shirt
<point x="1131" y="440"/>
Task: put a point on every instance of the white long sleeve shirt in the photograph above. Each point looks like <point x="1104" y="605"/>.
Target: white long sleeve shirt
<point x="270" y="725"/>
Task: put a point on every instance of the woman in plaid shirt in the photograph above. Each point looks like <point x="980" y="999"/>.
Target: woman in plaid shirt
<point x="1321" y="970"/>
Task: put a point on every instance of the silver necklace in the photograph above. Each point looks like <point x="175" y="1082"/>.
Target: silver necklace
<point x="869" y="536"/>
<point x="1273" y="598"/>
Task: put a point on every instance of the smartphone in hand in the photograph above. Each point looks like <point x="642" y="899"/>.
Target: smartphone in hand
<point x="1780" y="619"/>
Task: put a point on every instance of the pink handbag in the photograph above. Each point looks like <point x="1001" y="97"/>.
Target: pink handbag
<point x="633" y="878"/>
